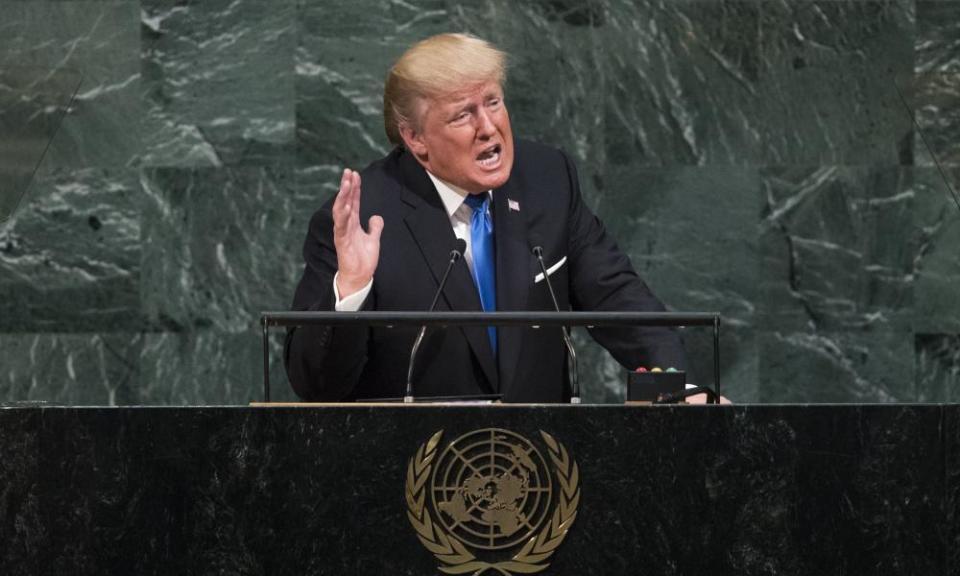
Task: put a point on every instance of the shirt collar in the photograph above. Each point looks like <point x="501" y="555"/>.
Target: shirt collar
<point x="451" y="196"/>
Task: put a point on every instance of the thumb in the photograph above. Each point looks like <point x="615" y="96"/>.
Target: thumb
<point x="375" y="225"/>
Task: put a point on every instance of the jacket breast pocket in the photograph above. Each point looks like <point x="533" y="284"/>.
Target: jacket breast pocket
<point x="558" y="274"/>
<point x="550" y="270"/>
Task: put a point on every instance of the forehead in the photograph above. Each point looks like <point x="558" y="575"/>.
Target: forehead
<point x="467" y="93"/>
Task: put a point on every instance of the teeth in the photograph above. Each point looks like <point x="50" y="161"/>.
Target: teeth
<point x="489" y="158"/>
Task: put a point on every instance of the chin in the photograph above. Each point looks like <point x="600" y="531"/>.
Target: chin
<point x="492" y="180"/>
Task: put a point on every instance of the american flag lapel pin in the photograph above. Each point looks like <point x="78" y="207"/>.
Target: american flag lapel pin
<point x="513" y="204"/>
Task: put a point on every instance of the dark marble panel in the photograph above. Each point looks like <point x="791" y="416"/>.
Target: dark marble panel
<point x="837" y="248"/>
<point x="22" y="529"/>
<point x="97" y="369"/>
<point x="342" y="60"/>
<point x="97" y="42"/>
<point x="694" y="259"/>
<point x="220" y="245"/>
<point x="739" y="360"/>
<point x="828" y="92"/>
<point x="744" y="491"/>
<point x="620" y="85"/>
<point x="33" y="103"/>
<point x="878" y="483"/>
<point x="218" y="82"/>
<point x="119" y="490"/>
<point x="937" y="81"/>
<point x="821" y="493"/>
<point x="14" y="183"/>
<point x="681" y="83"/>
<point x="209" y="368"/>
<point x="734" y="494"/>
<point x="937" y="367"/>
<point x="937" y="220"/>
<point x="70" y="257"/>
<point x="828" y="367"/>
<point x="602" y="378"/>
<point x="951" y="525"/>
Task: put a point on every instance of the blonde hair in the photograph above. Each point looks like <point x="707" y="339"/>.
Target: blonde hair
<point x="433" y="68"/>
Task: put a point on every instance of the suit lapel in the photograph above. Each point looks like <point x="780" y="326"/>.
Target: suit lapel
<point x="513" y="278"/>
<point x="430" y="227"/>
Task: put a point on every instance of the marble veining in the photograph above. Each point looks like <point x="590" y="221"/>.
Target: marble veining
<point x="752" y="157"/>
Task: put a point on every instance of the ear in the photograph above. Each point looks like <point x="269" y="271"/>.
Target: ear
<point x="413" y="140"/>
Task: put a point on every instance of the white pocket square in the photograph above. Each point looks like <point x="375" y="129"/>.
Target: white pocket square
<point x="539" y="277"/>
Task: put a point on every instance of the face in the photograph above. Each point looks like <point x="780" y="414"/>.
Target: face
<point x="465" y="138"/>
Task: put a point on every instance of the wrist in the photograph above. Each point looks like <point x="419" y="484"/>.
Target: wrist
<point x="347" y="285"/>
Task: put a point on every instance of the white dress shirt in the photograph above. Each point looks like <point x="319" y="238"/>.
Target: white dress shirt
<point x="459" y="213"/>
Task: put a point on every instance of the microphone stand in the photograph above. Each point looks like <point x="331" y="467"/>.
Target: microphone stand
<point x="575" y="380"/>
<point x="455" y="255"/>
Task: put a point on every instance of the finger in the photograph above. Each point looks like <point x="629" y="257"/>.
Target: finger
<point x="341" y="206"/>
<point x="348" y="221"/>
<point x="342" y="199"/>
<point x="375" y="225"/>
<point x="353" y="208"/>
<point x="355" y="194"/>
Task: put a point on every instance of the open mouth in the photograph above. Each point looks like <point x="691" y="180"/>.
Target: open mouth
<point x="490" y="157"/>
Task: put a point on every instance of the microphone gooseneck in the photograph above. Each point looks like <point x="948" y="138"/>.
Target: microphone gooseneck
<point x="575" y="380"/>
<point x="455" y="254"/>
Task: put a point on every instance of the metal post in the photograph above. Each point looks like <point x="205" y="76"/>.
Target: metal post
<point x="716" y="356"/>
<point x="266" y="361"/>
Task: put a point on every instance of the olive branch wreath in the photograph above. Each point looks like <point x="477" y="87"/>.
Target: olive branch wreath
<point x="534" y="555"/>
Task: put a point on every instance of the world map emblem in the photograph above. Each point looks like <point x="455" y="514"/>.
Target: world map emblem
<point x="490" y="501"/>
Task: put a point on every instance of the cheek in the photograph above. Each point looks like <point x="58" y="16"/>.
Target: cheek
<point x="505" y="122"/>
<point x="459" y="144"/>
<point x="508" y="152"/>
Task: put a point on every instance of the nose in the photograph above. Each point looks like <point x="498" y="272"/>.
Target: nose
<point x="485" y="125"/>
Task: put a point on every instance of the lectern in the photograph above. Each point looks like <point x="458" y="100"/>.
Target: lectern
<point x="347" y="490"/>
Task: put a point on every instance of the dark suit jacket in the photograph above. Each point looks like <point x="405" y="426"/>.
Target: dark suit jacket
<point x="344" y="363"/>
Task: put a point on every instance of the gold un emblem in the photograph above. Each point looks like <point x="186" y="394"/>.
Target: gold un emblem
<point x="490" y="501"/>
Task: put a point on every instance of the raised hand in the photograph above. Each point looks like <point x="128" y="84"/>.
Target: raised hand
<point x="358" y="251"/>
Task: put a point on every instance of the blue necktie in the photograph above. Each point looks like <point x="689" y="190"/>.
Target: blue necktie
<point x="484" y="264"/>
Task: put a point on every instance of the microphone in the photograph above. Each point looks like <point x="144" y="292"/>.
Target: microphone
<point x="455" y="254"/>
<point x="537" y="251"/>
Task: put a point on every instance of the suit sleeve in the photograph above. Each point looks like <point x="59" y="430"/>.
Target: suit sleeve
<point x="323" y="363"/>
<point x="602" y="279"/>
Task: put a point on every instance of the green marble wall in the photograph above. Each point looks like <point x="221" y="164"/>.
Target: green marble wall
<point x="752" y="156"/>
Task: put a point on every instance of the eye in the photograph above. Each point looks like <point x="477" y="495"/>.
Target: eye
<point x="460" y="117"/>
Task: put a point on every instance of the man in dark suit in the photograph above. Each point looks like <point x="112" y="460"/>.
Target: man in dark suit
<point x="456" y="171"/>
